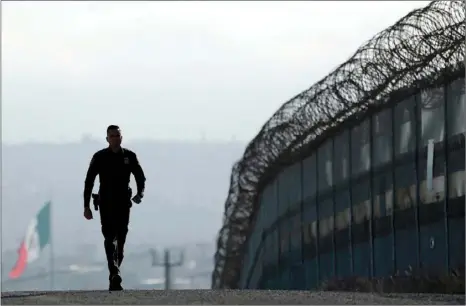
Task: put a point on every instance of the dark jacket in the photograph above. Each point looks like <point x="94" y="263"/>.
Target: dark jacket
<point x="114" y="170"/>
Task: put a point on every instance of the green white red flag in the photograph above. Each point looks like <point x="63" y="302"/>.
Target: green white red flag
<point x="36" y="239"/>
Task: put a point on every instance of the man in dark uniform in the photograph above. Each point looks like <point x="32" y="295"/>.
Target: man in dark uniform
<point x="114" y="166"/>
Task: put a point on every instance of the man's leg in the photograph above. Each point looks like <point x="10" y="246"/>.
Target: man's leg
<point x="109" y="231"/>
<point x="122" y="231"/>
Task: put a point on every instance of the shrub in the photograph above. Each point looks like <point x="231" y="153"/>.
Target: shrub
<point x="420" y="281"/>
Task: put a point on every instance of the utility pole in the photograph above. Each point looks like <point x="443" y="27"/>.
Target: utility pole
<point x="167" y="264"/>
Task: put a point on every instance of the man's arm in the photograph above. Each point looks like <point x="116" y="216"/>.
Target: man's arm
<point x="92" y="172"/>
<point x="138" y="175"/>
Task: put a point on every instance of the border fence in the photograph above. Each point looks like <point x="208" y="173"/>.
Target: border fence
<point x="321" y="170"/>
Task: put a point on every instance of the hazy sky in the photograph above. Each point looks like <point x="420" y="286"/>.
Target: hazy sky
<point x="170" y="69"/>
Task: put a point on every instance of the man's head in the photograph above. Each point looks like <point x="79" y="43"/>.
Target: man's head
<point x="114" y="136"/>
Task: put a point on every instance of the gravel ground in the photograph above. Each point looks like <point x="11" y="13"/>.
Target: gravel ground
<point x="225" y="297"/>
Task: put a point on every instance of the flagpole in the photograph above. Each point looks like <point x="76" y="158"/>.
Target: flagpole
<point x="52" y="251"/>
<point x="51" y="246"/>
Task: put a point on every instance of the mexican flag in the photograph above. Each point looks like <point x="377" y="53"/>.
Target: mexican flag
<point x="36" y="239"/>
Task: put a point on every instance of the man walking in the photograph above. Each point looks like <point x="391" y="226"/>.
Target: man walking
<point x="114" y="166"/>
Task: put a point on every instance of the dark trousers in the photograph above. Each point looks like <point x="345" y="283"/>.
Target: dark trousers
<point x="114" y="218"/>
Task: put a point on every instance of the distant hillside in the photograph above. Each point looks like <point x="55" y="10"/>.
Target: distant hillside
<point x="187" y="183"/>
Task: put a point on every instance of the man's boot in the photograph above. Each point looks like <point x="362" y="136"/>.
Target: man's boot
<point x="115" y="282"/>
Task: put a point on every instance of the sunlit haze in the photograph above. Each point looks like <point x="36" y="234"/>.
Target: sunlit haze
<point x="189" y="83"/>
<point x="170" y="70"/>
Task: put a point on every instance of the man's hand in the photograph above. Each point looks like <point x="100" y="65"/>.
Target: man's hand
<point x="87" y="213"/>
<point x="137" y="198"/>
